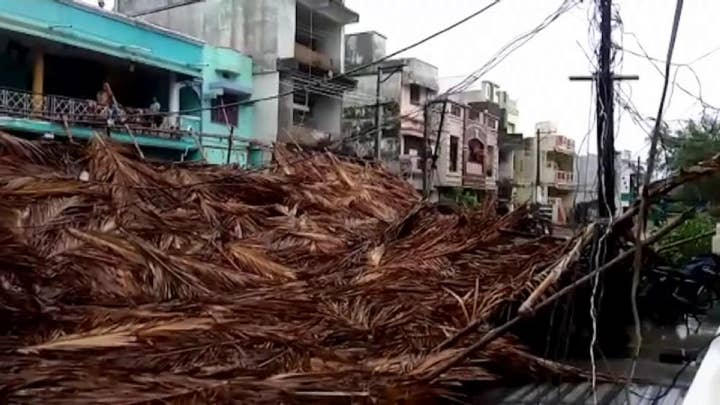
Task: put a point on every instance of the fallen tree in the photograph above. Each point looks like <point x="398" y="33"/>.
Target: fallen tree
<point x="315" y="280"/>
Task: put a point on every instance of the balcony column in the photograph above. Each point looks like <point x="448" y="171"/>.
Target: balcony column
<point x="174" y="100"/>
<point x="38" y="84"/>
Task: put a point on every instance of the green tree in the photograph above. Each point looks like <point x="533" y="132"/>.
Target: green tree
<point x="698" y="141"/>
<point x="679" y="255"/>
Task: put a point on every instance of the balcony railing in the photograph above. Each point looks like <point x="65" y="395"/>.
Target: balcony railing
<point x="83" y="112"/>
<point x="564" y="178"/>
<point x="52" y="107"/>
<point x="564" y="144"/>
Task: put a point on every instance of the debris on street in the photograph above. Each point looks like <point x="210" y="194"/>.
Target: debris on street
<point x="315" y="280"/>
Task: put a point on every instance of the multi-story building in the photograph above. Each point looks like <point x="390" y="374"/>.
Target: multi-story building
<point x="295" y="45"/>
<point x="480" y="157"/>
<point x="626" y="179"/>
<point x="586" y="177"/>
<point x="557" y="171"/>
<point x="70" y="70"/>
<point x="406" y="86"/>
<point x="492" y="102"/>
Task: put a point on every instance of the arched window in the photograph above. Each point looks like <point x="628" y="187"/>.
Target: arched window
<point x="476" y="151"/>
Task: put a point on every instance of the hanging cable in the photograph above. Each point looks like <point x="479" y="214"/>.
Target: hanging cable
<point x="351" y="71"/>
<point x="640" y="230"/>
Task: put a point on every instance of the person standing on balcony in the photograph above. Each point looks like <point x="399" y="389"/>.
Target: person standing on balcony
<point x="155" y="111"/>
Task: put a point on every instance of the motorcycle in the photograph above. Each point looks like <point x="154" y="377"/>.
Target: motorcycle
<point x="669" y="295"/>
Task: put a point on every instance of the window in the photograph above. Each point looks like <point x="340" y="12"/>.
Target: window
<point x="491" y="122"/>
<point x="454" y="142"/>
<point x="474" y="115"/>
<point x="476" y="152"/>
<point x="414" y="94"/>
<point x="412" y="145"/>
<point x="455" y="110"/>
<point x="231" y="110"/>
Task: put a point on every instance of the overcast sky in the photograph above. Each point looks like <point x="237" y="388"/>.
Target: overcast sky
<point x="537" y="74"/>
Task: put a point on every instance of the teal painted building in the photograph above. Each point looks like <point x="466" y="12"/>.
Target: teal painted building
<point x="56" y="55"/>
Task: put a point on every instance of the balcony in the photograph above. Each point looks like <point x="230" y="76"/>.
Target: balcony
<point x="563" y="144"/>
<point x="316" y="59"/>
<point x="80" y="112"/>
<point x="563" y="178"/>
<point x="560" y="179"/>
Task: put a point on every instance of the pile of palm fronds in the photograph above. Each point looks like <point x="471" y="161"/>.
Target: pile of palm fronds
<point x="123" y="281"/>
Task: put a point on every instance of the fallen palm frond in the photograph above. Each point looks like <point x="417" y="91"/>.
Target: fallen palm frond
<point x="125" y="281"/>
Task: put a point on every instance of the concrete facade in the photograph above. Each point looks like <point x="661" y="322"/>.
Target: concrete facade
<point x="407" y="84"/>
<point x="626" y="169"/>
<point x="264" y="30"/>
<point x="482" y="152"/>
<point x="499" y="115"/>
<point x="557" y="171"/>
<point x="294" y="45"/>
<point x="363" y="48"/>
<point x="586" y="170"/>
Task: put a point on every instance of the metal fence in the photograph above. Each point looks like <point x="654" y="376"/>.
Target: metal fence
<point x="25" y="104"/>
<point x="84" y="112"/>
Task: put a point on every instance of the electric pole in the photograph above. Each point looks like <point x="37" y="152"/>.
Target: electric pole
<point x="637" y="178"/>
<point x="605" y="116"/>
<point x="538" y="186"/>
<point x="378" y="113"/>
<point x="604" y="80"/>
<point x="379" y="105"/>
<point x="426" y="143"/>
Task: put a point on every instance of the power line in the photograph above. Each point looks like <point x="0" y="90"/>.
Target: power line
<point x="644" y="193"/>
<point x="688" y="66"/>
<point x="511" y="47"/>
<point x="348" y="73"/>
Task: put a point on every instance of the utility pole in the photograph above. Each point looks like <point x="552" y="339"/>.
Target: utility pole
<point x="538" y="187"/>
<point x="426" y="142"/>
<point x="436" y="152"/>
<point x="637" y="178"/>
<point x="604" y="110"/>
<point x="379" y="105"/>
<point x="378" y="113"/>
<point x="605" y="116"/>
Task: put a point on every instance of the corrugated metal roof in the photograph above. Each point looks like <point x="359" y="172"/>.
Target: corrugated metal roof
<point x="581" y="394"/>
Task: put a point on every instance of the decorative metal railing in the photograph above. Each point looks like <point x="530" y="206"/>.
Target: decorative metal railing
<point x="51" y="107"/>
<point x="75" y="111"/>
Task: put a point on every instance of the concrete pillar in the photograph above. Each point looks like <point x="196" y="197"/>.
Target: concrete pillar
<point x="174" y="100"/>
<point x="38" y="84"/>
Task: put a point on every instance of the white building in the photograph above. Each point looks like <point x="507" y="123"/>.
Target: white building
<point x="557" y="173"/>
<point x="626" y="179"/>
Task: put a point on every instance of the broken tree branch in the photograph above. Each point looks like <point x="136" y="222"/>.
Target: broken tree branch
<point x="504" y="328"/>
<point x="554" y="274"/>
